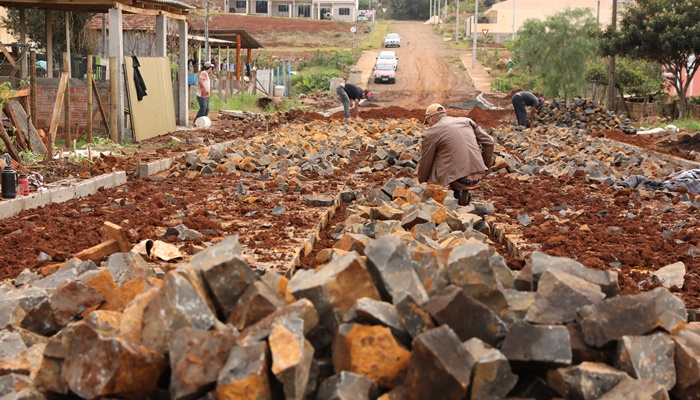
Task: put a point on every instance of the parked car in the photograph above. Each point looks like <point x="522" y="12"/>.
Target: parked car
<point x="384" y="73"/>
<point x="392" y="40"/>
<point x="388" y="57"/>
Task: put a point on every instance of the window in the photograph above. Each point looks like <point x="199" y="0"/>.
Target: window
<point x="240" y="4"/>
<point x="344" y="11"/>
<point x="283" y="8"/>
<point x="261" y="7"/>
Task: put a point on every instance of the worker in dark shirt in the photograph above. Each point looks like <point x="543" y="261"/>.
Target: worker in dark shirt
<point x="520" y="101"/>
<point x="347" y="92"/>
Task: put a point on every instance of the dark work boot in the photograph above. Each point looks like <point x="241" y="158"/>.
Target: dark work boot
<point x="464" y="198"/>
<point x="457" y="193"/>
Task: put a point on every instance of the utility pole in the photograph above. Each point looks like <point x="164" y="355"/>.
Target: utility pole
<point x="457" y="24"/>
<point x="430" y="14"/>
<point x="611" y="80"/>
<point x="207" y="49"/>
<point x="514" y="18"/>
<point x="597" y="17"/>
<point x="476" y="23"/>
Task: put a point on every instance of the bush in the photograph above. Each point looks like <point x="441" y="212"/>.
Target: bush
<point x="312" y="82"/>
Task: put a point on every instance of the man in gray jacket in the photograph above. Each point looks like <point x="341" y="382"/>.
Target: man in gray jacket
<point x="454" y="152"/>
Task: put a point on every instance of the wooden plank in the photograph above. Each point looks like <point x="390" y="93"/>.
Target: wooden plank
<point x="66" y="97"/>
<point x="116" y="232"/>
<point x="57" y="111"/>
<point x="32" y="87"/>
<point x="8" y="55"/>
<point x="28" y="130"/>
<point x="170" y="14"/>
<point x="97" y="253"/>
<point x="8" y="144"/>
<point x="114" y="99"/>
<point x="100" y="107"/>
<point x="89" y="98"/>
<point x="20" y="134"/>
<point x="14" y="94"/>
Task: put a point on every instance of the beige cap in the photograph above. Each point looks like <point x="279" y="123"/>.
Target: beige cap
<point x="434" y="109"/>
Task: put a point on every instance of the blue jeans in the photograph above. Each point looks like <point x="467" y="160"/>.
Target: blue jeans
<point x="344" y="99"/>
<point x="203" y="107"/>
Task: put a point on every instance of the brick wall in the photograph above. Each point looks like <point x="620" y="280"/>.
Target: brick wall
<point x="46" y="97"/>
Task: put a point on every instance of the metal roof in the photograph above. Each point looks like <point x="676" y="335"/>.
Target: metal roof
<point x="247" y="41"/>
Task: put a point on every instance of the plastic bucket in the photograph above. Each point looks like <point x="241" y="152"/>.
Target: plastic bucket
<point x="202" y="122"/>
<point x="279" y="91"/>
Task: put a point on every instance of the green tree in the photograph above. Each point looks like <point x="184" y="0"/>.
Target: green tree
<point x="663" y="31"/>
<point x="36" y="30"/>
<point x="557" y="50"/>
<point x="409" y="9"/>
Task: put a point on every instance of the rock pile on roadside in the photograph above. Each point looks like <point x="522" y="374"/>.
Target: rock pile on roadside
<point x="557" y="151"/>
<point x="413" y="304"/>
<point x="317" y="146"/>
<point x="583" y="114"/>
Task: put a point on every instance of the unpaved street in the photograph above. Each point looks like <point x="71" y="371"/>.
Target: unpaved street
<point x="424" y="75"/>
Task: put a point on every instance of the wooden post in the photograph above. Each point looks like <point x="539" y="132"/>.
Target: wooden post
<point x="105" y="120"/>
<point x="49" y="45"/>
<point x="89" y="99"/>
<point x="113" y="99"/>
<point x="23" y="42"/>
<point x="32" y="87"/>
<point x="238" y="61"/>
<point x="66" y="101"/>
<point x="63" y="84"/>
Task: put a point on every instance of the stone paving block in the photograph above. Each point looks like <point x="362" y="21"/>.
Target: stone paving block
<point x="559" y="295"/>
<point x="671" y="275"/>
<point x="518" y="304"/>
<point x="467" y="316"/>
<point x="537" y="345"/>
<point x="99" y="365"/>
<point x="335" y="287"/>
<point x="126" y="266"/>
<point x="371" y="351"/>
<point x="178" y="304"/>
<point x="635" y="314"/>
<point x="687" y="362"/>
<point x="539" y="263"/>
<point x="245" y="374"/>
<point x="439" y="367"/>
<point x="389" y="263"/>
<point x="469" y="267"/>
<point x="374" y="312"/>
<point x="196" y="356"/>
<point x="257" y="301"/>
<point x="414" y="317"/>
<point x="492" y="378"/>
<point x="292" y="356"/>
<point x="582" y="352"/>
<point x="587" y="381"/>
<point x="630" y="388"/>
<point x="348" y="386"/>
<point x="431" y="269"/>
<point x="224" y="272"/>
<point x="302" y="308"/>
<point x="649" y="356"/>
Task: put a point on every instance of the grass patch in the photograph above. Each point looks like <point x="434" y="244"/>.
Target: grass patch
<point x="690" y="124"/>
<point x="244" y="102"/>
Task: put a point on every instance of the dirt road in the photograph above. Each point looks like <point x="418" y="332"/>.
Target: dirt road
<point x="423" y="76"/>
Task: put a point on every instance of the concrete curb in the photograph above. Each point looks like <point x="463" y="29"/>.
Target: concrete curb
<point x="88" y="187"/>
<point x="154" y="167"/>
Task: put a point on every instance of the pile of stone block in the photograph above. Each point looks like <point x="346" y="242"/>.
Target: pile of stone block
<point x="584" y="114"/>
<point x="412" y="304"/>
<point x="315" y="147"/>
<point x="557" y="151"/>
